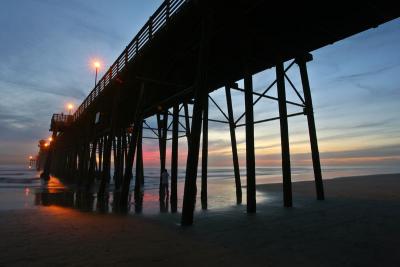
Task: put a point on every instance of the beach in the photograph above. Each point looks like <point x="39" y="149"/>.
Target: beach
<point x="199" y="133"/>
<point x="357" y="225"/>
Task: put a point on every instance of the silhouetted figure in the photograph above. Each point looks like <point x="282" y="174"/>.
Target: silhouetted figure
<point x="164" y="185"/>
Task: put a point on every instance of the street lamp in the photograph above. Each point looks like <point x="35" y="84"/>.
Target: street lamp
<point x="96" y="65"/>
<point x="30" y="162"/>
<point x="70" y="107"/>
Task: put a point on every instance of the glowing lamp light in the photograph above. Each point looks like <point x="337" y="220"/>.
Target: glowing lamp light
<point x="46" y="145"/>
<point x="70" y="107"/>
<point x="50" y="139"/>
<point x="30" y="157"/>
<point x="96" y="64"/>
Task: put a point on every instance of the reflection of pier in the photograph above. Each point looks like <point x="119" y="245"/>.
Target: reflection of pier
<point x="185" y="51"/>
<point x="86" y="201"/>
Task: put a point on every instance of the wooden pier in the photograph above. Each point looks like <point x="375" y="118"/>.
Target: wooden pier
<point x="185" y="51"/>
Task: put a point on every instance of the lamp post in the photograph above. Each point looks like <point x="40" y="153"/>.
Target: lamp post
<point x="96" y="66"/>
<point x="30" y="162"/>
<point x="70" y="108"/>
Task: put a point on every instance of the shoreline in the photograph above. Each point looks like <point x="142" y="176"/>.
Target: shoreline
<point x="357" y="225"/>
<point x="341" y="187"/>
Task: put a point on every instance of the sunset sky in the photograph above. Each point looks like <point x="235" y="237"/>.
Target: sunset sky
<point x="47" y="48"/>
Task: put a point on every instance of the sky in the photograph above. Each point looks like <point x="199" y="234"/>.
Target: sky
<point x="47" y="47"/>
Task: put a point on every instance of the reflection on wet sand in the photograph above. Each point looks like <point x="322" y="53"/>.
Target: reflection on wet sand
<point x="55" y="193"/>
<point x="164" y="200"/>
<point x="86" y="201"/>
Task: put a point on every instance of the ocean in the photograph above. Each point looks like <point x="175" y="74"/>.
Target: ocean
<point x="21" y="187"/>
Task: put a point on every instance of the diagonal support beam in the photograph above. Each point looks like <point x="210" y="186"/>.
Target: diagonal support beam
<point x="264" y="94"/>
<point x="219" y="108"/>
<point x="201" y="94"/>
<point x="235" y="158"/>
<point x="295" y="89"/>
<point x="131" y="151"/>
<point x="301" y="62"/>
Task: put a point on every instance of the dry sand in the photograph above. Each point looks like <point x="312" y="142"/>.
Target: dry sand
<point x="357" y="225"/>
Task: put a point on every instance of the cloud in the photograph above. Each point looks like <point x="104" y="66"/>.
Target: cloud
<point x="378" y="151"/>
<point x="42" y="87"/>
<point x="376" y="91"/>
<point x="368" y="74"/>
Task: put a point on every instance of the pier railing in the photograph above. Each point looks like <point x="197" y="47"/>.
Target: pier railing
<point x="156" y="22"/>
<point x="60" y="121"/>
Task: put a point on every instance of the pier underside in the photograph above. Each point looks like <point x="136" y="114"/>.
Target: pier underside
<point x="187" y="50"/>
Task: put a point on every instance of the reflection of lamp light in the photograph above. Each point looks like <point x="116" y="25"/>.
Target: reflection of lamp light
<point x="96" y="65"/>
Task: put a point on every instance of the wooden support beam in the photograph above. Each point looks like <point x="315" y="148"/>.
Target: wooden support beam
<point x="131" y="150"/>
<point x="201" y="94"/>
<point x="210" y="120"/>
<point x="160" y="149"/>
<point x="119" y="161"/>
<point x="234" y="146"/>
<point x="101" y="153"/>
<point x="153" y="130"/>
<point x="123" y="204"/>
<point x="187" y="121"/>
<point x="105" y="175"/>
<point x="74" y="156"/>
<point x="114" y="152"/>
<point x="108" y="144"/>
<point x="287" y="180"/>
<point x="301" y="62"/>
<point x="162" y="141"/>
<point x="92" y="165"/>
<point x="204" y="157"/>
<point x="86" y="157"/>
<point x="85" y="160"/>
<point x="125" y="149"/>
<point x="139" y="177"/>
<point x="121" y="155"/>
<point x="190" y="190"/>
<point x="174" y="160"/>
<point x="250" y="154"/>
<point x="45" y="175"/>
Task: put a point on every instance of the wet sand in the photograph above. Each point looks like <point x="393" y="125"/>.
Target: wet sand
<point x="357" y="225"/>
